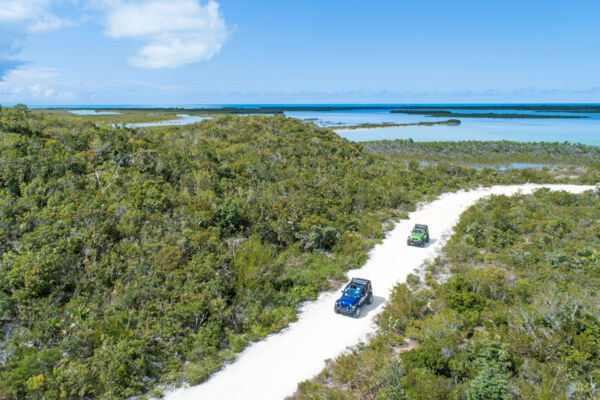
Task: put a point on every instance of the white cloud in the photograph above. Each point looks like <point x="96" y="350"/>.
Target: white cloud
<point x="175" y="32"/>
<point x="27" y="75"/>
<point x="33" y="84"/>
<point x="31" y="15"/>
<point x="18" y="10"/>
<point x="49" y="23"/>
<point x="19" y="19"/>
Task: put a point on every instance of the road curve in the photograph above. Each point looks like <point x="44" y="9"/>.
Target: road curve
<point x="271" y="369"/>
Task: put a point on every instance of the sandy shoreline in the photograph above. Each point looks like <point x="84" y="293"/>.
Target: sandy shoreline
<point x="272" y="368"/>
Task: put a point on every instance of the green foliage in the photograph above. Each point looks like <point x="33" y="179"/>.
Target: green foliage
<point x="422" y="384"/>
<point x="429" y="355"/>
<point x="403" y="307"/>
<point x="320" y="238"/>
<point x="489" y="384"/>
<point x="460" y="295"/>
<point x="491" y="364"/>
<point x="413" y="280"/>
<point x="229" y="216"/>
<point x="311" y="391"/>
<point x="390" y="393"/>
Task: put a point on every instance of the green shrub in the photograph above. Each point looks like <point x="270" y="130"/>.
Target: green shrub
<point x="320" y="238"/>
<point x="390" y="393"/>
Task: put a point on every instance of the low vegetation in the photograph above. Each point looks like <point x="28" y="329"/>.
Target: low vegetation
<point x="509" y="311"/>
<point x="492" y="153"/>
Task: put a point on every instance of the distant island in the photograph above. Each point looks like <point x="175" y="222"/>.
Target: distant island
<point x="444" y="113"/>
<point x="572" y="108"/>
<point x="391" y="124"/>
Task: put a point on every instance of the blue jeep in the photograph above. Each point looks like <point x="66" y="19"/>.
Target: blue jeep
<point x="356" y="293"/>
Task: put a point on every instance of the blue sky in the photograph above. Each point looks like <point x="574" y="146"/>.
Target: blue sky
<point x="235" y="51"/>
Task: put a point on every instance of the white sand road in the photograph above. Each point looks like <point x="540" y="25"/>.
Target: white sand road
<point x="272" y="368"/>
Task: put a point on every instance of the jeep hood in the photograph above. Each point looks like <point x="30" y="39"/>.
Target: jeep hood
<point x="348" y="301"/>
<point x="416" y="236"/>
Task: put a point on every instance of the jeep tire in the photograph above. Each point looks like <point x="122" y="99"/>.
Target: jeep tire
<point x="370" y="299"/>
<point x="356" y="312"/>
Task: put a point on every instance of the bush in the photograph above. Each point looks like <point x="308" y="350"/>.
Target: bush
<point x="489" y="384"/>
<point x="390" y="393"/>
<point x="320" y="238"/>
<point x="229" y="216"/>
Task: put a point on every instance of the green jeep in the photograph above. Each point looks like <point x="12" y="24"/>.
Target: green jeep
<point x="419" y="236"/>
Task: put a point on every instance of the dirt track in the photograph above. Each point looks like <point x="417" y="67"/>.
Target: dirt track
<point x="272" y="368"/>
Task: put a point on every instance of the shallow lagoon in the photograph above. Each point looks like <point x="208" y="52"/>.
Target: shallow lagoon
<point x="357" y="117"/>
<point x="585" y="130"/>
<point x="576" y="131"/>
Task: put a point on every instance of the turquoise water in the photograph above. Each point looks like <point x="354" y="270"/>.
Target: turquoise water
<point x="584" y="130"/>
<point x="575" y="131"/>
<point x="356" y="117"/>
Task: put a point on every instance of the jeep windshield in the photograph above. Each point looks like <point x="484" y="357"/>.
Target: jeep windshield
<point x="352" y="292"/>
<point x="418" y="231"/>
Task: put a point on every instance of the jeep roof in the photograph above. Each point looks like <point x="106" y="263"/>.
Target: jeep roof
<point x="360" y="281"/>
